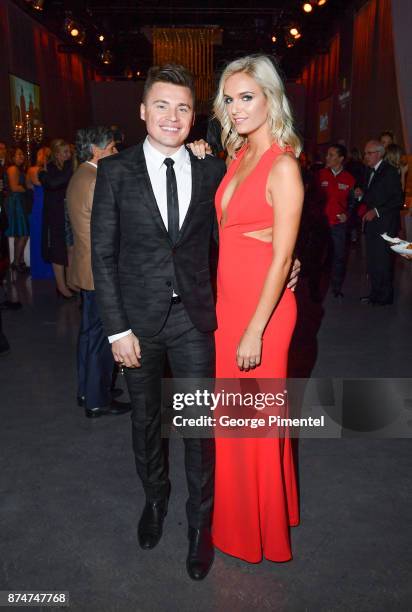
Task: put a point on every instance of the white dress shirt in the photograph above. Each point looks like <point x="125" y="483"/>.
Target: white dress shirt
<point x="157" y="174"/>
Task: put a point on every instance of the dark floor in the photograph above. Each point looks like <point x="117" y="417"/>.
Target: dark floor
<point x="70" y="499"/>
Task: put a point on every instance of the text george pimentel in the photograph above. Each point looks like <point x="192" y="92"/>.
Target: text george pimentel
<point x="259" y="401"/>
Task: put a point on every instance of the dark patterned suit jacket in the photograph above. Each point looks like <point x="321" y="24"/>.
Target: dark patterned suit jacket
<point x="135" y="264"/>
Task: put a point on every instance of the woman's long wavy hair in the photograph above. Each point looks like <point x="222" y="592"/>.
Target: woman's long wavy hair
<point x="55" y="146"/>
<point x="280" y="119"/>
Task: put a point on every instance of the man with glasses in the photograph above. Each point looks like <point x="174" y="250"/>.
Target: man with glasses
<point x="383" y="199"/>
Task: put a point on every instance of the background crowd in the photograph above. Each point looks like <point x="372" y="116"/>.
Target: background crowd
<point x="33" y="205"/>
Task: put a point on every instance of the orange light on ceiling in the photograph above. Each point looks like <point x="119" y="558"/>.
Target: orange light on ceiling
<point x="274" y="39"/>
<point x="294" y="31"/>
<point x="101" y="38"/>
<point x="74" y="32"/>
<point x="307" y="7"/>
<point x="321" y="2"/>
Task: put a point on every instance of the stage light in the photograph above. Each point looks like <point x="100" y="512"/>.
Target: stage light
<point x="138" y="73"/>
<point x="298" y="35"/>
<point x="294" y="31"/>
<point x="321" y="2"/>
<point x="74" y="32"/>
<point x="101" y="38"/>
<point x="274" y="39"/>
<point x="307" y="7"/>
<point x="38" y="5"/>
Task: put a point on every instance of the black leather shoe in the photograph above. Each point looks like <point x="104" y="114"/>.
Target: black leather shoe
<point x="366" y="299"/>
<point x="8" y="305"/>
<point x="201" y="553"/>
<point x="150" y="527"/>
<point x="119" y="407"/>
<point x="94" y="413"/>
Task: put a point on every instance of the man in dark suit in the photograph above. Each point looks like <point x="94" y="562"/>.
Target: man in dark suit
<point x="152" y="224"/>
<point x="383" y="198"/>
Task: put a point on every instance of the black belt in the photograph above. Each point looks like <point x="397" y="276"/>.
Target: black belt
<point x="176" y="299"/>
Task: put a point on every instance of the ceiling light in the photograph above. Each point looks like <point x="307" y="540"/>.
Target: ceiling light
<point x="74" y="32"/>
<point x="307" y="7"/>
<point x="321" y="2"/>
<point x="274" y="39"/>
<point x="294" y="31"/>
<point x="101" y="38"/>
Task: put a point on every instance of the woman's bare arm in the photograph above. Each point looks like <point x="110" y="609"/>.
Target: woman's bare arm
<point x="286" y="193"/>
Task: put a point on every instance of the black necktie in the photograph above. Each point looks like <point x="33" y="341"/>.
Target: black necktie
<point x="172" y="201"/>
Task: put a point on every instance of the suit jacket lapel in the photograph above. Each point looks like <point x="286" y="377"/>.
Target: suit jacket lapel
<point x="147" y="190"/>
<point x="197" y="176"/>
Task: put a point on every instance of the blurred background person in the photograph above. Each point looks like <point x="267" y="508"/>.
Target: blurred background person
<point x="394" y="156"/>
<point x="95" y="361"/>
<point x="55" y="178"/>
<point x="119" y="137"/>
<point x="387" y="138"/>
<point x="333" y="187"/>
<point x="383" y="198"/>
<point x="3" y="153"/>
<point x="39" y="267"/>
<point x="16" y="206"/>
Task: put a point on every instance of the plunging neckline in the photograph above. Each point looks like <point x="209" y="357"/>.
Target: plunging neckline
<point x="239" y="186"/>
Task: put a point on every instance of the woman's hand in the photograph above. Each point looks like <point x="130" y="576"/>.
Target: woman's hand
<point x="249" y="351"/>
<point x="200" y="148"/>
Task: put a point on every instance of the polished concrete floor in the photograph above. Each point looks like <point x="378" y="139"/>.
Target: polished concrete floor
<point x="70" y="499"/>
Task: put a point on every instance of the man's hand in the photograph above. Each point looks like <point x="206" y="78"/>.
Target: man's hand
<point x="200" y="148"/>
<point x="342" y="217"/>
<point x="294" y="275"/>
<point x="126" y="351"/>
<point x="368" y="216"/>
<point x="407" y="256"/>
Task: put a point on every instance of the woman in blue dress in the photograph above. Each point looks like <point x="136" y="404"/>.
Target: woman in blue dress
<point x="39" y="267"/>
<point x="16" y="206"/>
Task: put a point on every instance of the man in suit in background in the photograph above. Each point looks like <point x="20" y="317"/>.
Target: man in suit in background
<point x="94" y="356"/>
<point x="152" y="224"/>
<point x="383" y="198"/>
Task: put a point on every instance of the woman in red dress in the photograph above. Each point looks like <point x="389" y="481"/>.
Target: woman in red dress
<point x="259" y="205"/>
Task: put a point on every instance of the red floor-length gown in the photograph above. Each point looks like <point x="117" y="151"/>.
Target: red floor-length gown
<point x="256" y="497"/>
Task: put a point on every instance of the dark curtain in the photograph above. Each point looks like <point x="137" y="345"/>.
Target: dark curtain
<point x="320" y="78"/>
<point x="375" y="102"/>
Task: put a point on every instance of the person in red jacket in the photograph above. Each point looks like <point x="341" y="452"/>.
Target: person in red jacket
<point x="333" y="189"/>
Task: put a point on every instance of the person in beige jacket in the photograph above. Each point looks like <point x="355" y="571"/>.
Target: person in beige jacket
<point x="94" y="356"/>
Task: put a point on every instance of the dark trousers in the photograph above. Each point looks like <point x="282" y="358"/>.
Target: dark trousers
<point x="380" y="265"/>
<point x="191" y="354"/>
<point x="338" y="255"/>
<point x="94" y="356"/>
<point x="4" y="345"/>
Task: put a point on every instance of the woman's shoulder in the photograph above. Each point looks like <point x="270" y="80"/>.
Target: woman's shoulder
<point x="285" y="162"/>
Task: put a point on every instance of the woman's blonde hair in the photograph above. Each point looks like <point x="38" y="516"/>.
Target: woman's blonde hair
<point x="55" y="146"/>
<point x="43" y="156"/>
<point x="263" y="71"/>
<point x="393" y="155"/>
